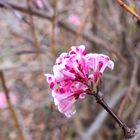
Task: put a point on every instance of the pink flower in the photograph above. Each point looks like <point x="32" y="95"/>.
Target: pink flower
<point x="74" y="19"/>
<point x="40" y="3"/>
<point x="73" y="74"/>
<point x="3" y="102"/>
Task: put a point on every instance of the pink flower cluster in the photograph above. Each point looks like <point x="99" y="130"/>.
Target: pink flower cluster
<point x="74" y="73"/>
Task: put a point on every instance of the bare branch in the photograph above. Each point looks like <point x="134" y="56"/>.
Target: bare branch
<point x="11" y="108"/>
<point x="96" y="125"/>
<point x="128" y="9"/>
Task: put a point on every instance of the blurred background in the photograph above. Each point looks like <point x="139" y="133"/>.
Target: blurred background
<point x="33" y="33"/>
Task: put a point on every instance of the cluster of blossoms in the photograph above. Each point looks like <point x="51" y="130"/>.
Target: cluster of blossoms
<point x="74" y="73"/>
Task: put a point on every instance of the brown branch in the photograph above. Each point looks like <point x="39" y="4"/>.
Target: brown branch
<point x="24" y="9"/>
<point x="53" y="37"/>
<point x="11" y="108"/>
<point x="36" y="43"/>
<point x="25" y="52"/>
<point x="128" y="133"/>
<point x="99" y="120"/>
<point x="94" y="91"/>
<point x="128" y="9"/>
<point x="26" y="37"/>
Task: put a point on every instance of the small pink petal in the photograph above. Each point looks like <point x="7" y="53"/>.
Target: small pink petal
<point x="61" y="58"/>
<point x="111" y="64"/>
<point x="49" y="78"/>
<point x="66" y="104"/>
<point x="68" y="74"/>
<point x="57" y="73"/>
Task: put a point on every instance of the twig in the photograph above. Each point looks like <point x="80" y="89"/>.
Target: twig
<point x="11" y="108"/>
<point x="36" y="43"/>
<point x="137" y="136"/>
<point x="24" y="9"/>
<point x="128" y="133"/>
<point x="128" y="9"/>
<point x="97" y="124"/>
<point x="94" y="91"/>
<point x="53" y="39"/>
<point x="23" y="52"/>
<point x="23" y="125"/>
<point x="25" y="37"/>
<point x="17" y="15"/>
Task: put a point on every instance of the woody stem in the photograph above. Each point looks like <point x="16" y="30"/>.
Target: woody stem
<point x="127" y="131"/>
<point x="11" y="108"/>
